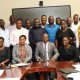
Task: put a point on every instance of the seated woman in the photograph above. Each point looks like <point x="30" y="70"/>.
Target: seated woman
<point x="22" y="52"/>
<point x="4" y="54"/>
<point x="68" y="52"/>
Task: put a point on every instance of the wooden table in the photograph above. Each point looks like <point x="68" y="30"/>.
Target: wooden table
<point x="21" y="72"/>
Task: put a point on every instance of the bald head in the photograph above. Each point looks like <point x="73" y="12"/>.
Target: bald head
<point x="36" y="23"/>
<point x="45" y="37"/>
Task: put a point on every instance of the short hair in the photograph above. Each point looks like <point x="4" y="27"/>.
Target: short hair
<point x="19" y="19"/>
<point x="2" y="38"/>
<point x="43" y="15"/>
<point x="27" y="20"/>
<point x="22" y="36"/>
<point x="58" y="18"/>
<point x="12" y="16"/>
<point x="66" y="37"/>
<point x="76" y="15"/>
<point x="44" y="34"/>
<point x="63" y="20"/>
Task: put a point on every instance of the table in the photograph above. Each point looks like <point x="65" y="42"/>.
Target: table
<point x="21" y="72"/>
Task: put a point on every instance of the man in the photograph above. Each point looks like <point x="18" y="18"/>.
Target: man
<point x="58" y="21"/>
<point x="28" y="24"/>
<point x="17" y="32"/>
<point x="43" y="21"/>
<point x="4" y="32"/>
<point x="35" y="35"/>
<point x="46" y="51"/>
<point x="12" y="24"/>
<point x="74" y="28"/>
<point x="69" y="22"/>
<point x="51" y="29"/>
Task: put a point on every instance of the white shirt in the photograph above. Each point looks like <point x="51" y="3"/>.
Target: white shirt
<point x="16" y="33"/>
<point x="45" y="47"/>
<point x="74" y="28"/>
<point x="11" y="27"/>
<point x="5" y="35"/>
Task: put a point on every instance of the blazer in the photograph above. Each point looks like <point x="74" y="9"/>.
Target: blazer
<point x="15" y="55"/>
<point x="52" y="51"/>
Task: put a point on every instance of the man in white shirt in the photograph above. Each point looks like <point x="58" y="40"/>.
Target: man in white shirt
<point x="74" y="27"/>
<point x="4" y="33"/>
<point x="12" y="24"/>
<point x="17" y="32"/>
<point x="43" y="21"/>
<point x="28" y="26"/>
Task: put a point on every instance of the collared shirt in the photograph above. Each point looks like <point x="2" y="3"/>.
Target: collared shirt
<point x="51" y="30"/>
<point x="16" y="33"/>
<point x="5" y="35"/>
<point x="74" y="28"/>
<point x="11" y="27"/>
<point x="43" y="26"/>
<point x="45" y="47"/>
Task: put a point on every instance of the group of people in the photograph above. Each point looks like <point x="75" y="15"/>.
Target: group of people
<point x="57" y="40"/>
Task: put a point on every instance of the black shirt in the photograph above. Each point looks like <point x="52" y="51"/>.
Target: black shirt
<point x="70" y="54"/>
<point x="60" y="34"/>
<point x="35" y="35"/>
<point x="4" y="54"/>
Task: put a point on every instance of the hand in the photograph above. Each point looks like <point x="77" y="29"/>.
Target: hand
<point x="52" y="59"/>
<point x="40" y="60"/>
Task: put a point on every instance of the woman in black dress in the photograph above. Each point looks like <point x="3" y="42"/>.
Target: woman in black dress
<point x="68" y="52"/>
<point x="64" y="31"/>
<point x="4" y="54"/>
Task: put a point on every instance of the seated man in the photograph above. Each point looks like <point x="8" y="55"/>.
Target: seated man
<point x="46" y="51"/>
<point x="4" y="54"/>
<point x="22" y="52"/>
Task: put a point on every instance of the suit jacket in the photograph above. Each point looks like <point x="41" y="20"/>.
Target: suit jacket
<point x="52" y="51"/>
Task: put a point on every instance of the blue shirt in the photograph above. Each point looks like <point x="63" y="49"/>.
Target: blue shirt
<point x="52" y="30"/>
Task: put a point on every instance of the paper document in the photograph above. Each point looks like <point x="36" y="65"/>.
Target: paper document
<point x="77" y="67"/>
<point x="1" y="72"/>
<point x="10" y="79"/>
<point x="21" y="64"/>
<point x="75" y="76"/>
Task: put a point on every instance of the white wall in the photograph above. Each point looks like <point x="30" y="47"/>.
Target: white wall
<point x="7" y="5"/>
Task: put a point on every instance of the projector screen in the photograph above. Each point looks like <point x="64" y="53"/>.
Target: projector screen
<point x="36" y="12"/>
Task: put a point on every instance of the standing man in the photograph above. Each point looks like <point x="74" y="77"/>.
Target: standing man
<point x="12" y="24"/>
<point x="51" y="29"/>
<point x="4" y="32"/>
<point x="74" y="28"/>
<point x="43" y="21"/>
<point x="17" y="32"/>
<point x="35" y="35"/>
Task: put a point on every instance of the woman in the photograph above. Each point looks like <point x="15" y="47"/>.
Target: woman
<point x="64" y="31"/>
<point x="68" y="52"/>
<point x="4" y="54"/>
<point x="22" y="52"/>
